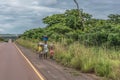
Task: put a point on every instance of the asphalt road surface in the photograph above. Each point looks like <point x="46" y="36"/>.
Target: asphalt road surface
<point x="13" y="66"/>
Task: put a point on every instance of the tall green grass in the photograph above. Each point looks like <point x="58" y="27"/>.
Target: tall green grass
<point x="99" y="60"/>
<point x="27" y="43"/>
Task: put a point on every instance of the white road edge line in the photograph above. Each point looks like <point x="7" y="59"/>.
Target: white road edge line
<point x="35" y="70"/>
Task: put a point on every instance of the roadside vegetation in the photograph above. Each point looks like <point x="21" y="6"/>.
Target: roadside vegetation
<point x="1" y="39"/>
<point x="89" y="45"/>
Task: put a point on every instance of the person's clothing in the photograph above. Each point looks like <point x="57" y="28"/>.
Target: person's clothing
<point x="45" y="48"/>
<point x="39" y="49"/>
<point x="45" y="56"/>
<point x="51" y="52"/>
<point x="41" y="55"/>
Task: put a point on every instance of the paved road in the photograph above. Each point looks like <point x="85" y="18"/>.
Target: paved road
<point x="13" y="66"/>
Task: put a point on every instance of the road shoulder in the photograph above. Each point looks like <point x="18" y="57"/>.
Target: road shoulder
<point x="54" y="71"/>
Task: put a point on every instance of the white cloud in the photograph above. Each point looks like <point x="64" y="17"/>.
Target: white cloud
<point x="46" y="9"/>
<point x="1" y="30"/>
<point x="6" y="26"/>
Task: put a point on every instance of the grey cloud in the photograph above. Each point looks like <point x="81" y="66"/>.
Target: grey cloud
<point x="101" y="8"/>
<point x="48" y="2"/>
<point x="16" y="16"/>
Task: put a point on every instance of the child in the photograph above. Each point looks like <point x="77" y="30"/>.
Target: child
<point x="40" y="49"/>
<point x="51" y="51"/>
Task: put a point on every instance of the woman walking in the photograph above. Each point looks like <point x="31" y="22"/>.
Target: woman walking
<point x="45" y="50"/>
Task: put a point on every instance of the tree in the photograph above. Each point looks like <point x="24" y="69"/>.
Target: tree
<point x="54" y="19"/>
<point x="114" y="18"/>
<point x="74" y="22"/>
<point x="80" y="14"/>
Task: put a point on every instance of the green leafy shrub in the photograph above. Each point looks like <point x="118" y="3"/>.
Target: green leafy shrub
<point x="114" y="39"/>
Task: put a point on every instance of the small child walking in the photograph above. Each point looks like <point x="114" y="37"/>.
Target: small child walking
<point x="51" y="51"/>
<point x="40" y="50"/>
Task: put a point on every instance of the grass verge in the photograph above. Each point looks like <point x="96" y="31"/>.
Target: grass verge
<point x="101" y="61"/>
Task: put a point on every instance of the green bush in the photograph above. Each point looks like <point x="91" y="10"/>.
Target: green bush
<point x="114" y="39"/>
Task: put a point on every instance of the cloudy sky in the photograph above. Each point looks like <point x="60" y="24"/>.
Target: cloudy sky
<point x="17" y="16"/>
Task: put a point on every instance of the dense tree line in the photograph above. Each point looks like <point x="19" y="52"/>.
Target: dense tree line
<point x="87" y="30"/>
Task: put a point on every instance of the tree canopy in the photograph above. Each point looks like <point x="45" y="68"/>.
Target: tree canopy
<point x="68" y="25"/>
